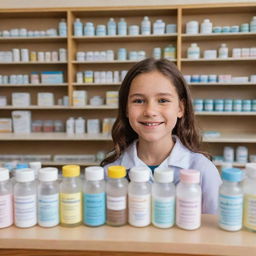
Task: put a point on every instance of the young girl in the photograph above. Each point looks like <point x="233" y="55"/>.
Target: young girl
<point x="155" y="127"/>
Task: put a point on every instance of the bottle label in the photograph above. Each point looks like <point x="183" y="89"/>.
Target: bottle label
<point x="25" y="211"/>
<point x="6" y="211"/>
<point x="48" y="210"/>
<point x="188" y="213"/>
<point x="116" y="203"/>
<point x="230" y="210"/>
<point x="94" y="209"/>
<point x="163" y="211"/>
<point x="250" y="211"/>
<point x="139" y="210"/>
<point x="70" y="208"/>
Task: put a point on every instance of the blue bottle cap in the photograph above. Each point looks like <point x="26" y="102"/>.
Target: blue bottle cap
<point x="21" y="165"/>
<point x="232" y="174"/>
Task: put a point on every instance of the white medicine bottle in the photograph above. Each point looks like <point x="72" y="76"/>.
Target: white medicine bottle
<point x="35" y="166"/>
<point x="188" y="200"/>
<point x="63" y="27"/>
<point x="6" y="206"/>
<point x="253" y="24"/>
<point x="231" y="200"/>
<point x="70" y="126"/>
<point x="116" y="191"/>
<point x="78" y="27"/>
<point x="94" y="197"/>
<point x="249" y="186"/>
<point x="139" y="197"/>
<point x="79" y="125"/>
<point x="122" y="27"/>
<point x="163" y="198"/>
<point x="48" y="197"/>
<point x="206" y="27"/>
<point x="111" y="27"/>
<point x="223" y="51"/>
<point x="146" y="26"/>
<point x="193" y="51"/>
<point x="25" y="212"/>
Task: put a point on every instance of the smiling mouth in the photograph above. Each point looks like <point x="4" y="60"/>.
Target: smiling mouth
<point x="151" y="123"/>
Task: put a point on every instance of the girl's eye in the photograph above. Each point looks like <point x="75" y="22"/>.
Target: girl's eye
<point x="163" y="100"/>
<point x="138" y="101"/>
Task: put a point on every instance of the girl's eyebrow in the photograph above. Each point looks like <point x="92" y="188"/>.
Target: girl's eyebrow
<point x="158" y="94"/>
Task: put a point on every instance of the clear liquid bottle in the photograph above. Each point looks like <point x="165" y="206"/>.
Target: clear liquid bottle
<point x="249" y="186"/>
<point x="139" y="197"/>
<point x="63" y="27"/>
<point x="189" y="198"/>
<point x="35" y="166"/>
<point x="111" y="27"/>
<point x="94" y="197"/>
<point x="122" y="27"/>
<point x="116" y="191"/>
<point x="230" y="211"/>
<point x="48" y="197"/>
<point x="25" y="210"/>
<point x="6" y="205"/>
<point x="163" y="198"/>
<point x="70" y="196"/>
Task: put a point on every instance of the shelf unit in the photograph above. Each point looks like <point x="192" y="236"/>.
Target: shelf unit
<point x="236" y="128"/>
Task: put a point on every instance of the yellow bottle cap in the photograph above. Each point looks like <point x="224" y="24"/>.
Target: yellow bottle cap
<point x="71" y="170"/>
<point x="116" y="171"/>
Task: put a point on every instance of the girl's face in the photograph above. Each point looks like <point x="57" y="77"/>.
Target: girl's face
<point x="153" y="107"/>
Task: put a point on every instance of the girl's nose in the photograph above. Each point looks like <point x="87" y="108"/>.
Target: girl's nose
<point x="150" y="110"/>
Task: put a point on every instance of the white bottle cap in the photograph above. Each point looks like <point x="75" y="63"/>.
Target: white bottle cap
<point x="94" y="173"/>
<point x="48" y="174"/>
<point x="194" y="44"/>
<point x="251" y="169"/>
<point x="206" y="20"/>
<point x="139" y="174"/>
<point x="223" y="45"/>
<point x="4" y="174"/>
<point x="164" y="175"/>
<point x="24" y="175"/>
<point x="35" y="165"/>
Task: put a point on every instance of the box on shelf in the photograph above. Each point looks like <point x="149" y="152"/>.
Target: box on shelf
<point x="5" y="125"/>
<point x="112" y="98"/>
<point x="45" y="99"/>
<point x="52" y="77"/>
<point x="21" y="122"/>
<point x="79" y="98"/>
<point x="20" y="99"/>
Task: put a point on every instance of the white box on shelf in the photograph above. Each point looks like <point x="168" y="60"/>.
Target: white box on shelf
<point x="21" y="122"/>
<point x="45" y="99"/>
<point x="52" y="77"/>
<point x="5" y="125"/>
<point x="112" y="98"/>
<point x="79" y="98"/>
<point x="20" y="99"/>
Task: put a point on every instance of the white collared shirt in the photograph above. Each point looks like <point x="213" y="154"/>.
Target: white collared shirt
<point x="181" y="158"/>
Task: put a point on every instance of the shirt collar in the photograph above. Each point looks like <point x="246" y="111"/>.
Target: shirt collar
<point x="179" y="157"/>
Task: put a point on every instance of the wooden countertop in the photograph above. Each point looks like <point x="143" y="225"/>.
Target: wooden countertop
<point x="208" y="240"/>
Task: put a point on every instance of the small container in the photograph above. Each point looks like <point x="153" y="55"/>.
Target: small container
<point x="96" y="101"/>
<point x="242" y="154"/>
<point x="171" y="28"/>
<point x="101" y="30"/>
<point x="253" y="24"/>
<point x="170" y="52"/>
<point x="234" y="29"/>
<point x="206" y="27"/>
<point x="246" y="105"/>
<point x="158" y="27"/>
<point x="89" y="29"/>
<point x="229" y="154"/>
<point x="225" y="29"/>
<point x="237" y="105"/>
<point x="193" y="51"/>
<point x="79" y="126"/>
<point x="58" y="126"/>
<point x="109" y="55"/>
<point x="122" y="54"/>
<point x="37" y="126"/>
<point x="212" y="78"/>
<point x="216" y="29"/>
<point x="198" y="105"/>
<point x="228" y="105"/>
<point x="218" y="105"/>
<point x="146" y="26"/>
<point x="203" y="78"/>
<point x="195" y="79"/>
<point x="236" y="52"/>
<point x="111" y="27"/>
<point x="192" y="27"/>
<point x="122" y="27"/>
<point x="208" y="105"/>
<point x="48" y="126"/>
<point x="157" y="53"/>
<point x="133" y="55"/>
<point x="245" y="27"/>
<point x="223" y="51"/>
<point x="231" y="200"/>
<point x="134" y="30"/>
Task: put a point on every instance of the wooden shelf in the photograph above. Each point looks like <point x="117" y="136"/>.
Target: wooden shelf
<point x="125" y="38"/>
<point x="60" y="107"/>
<point x="34" y="63"/>
<point x="225" y="113"/>
<point x="53" y="137"/>
<point x="221" y="84"/>
<point x="44" y="39"/>
<point x="33" y="85"/>
<point x="234" y="164"/>
<point x="218" y="59"/>
<point x="231" y="138"/>
<point x="110" y="62"/>
<point x="97" y="84"/>
<point x="218" y="36"/>
<point x="53" y="163"/>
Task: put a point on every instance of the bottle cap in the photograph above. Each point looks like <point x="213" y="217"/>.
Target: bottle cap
<point x="116" y="171"/>
<point x="48" y="174"/>
<point x="93" y="173"/>
<point x="21" y="165"/>
<point x="4" y="174"/>
<point x="35" y="166"/>
<point x="25" y="175"/>
<point x="163" y="175"/>
<point x="251" y="169"/>
<point x="189" y="176"/>
<point x="232" y="174"/>
<point x="139" y="174"/>
<point x="70" y="170"/>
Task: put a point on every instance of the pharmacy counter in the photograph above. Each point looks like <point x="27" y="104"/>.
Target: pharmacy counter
<point x="127" y="240"/>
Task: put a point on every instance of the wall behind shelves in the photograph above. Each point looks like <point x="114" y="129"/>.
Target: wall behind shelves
<point x="90" y="3"/>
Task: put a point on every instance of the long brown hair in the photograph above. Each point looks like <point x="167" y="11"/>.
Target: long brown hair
<point x="123" y="134"/>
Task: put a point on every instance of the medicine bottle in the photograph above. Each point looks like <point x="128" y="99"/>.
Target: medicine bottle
<point x="163" y="198"/>
<point x="146" y="26"/>
<point x="6" y="206"/>
<point x="25" y="212"/>
<point x="48" y="197"/>
<point x="78" y="27"/>
<point x="189" y="198"/>
<point x="223" y="51"/>
<point x="94" y="197"/>
<point x="231" y="200"/>
<point x="70" y="196"/>
<point x="249" y="186"/>
<point x="62" y="27"/>
<point x="193" y="51"/>
<point x="206" y="27"/>
<point x="122" y="27"/>
<point x="35" y="166"/>
<point x="111" y="27"/>
<point x="139" y="197"/>
<point x="253" y="24"/>
<point x="116" y="191"/>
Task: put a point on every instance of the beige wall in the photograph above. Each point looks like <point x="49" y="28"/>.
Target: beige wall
<point x="91" y="3"/>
